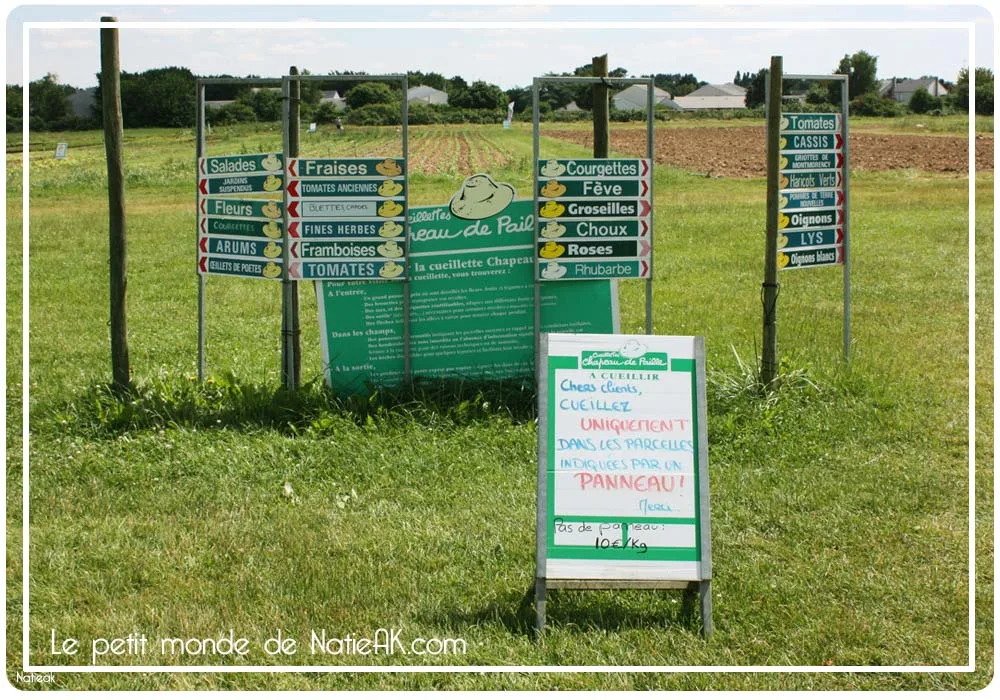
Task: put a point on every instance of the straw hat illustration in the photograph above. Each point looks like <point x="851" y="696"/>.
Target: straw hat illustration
<point x="271" y="229"/>
<point x="552" y="250"/>
<point x="633" y="348"/>
<point x="553" y="168"/>
<point x="782" y="260"/>
<point x="782" y="240"/>
<point x="271" y="162"/>
<point x="552" y="209"/>
<point x="553" y="271"/>
<point x="272" y="250"/>
<point x="271" y="183"/>
<point x="271" y="210"/>
<point x="481" y="197"/>
<point x="552" y="229"/>
<point x="390" y="229"/>
<point x="390" y="208"/>
<point x="390" y="188"/>
<point x="271" y="270"/>
<point x="389" y="168"/>
<point x="390" y="269"/>
<point x="783" y="221"/>
<point x="390" y="249"/>
<point x="553" y="188"/>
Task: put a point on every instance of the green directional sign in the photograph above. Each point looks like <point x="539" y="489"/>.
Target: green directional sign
<point x="601" y="228"/>
<point x="244" y="208"/>
<point x="791" y="123"/>
<point x="347" y="188"/>
<point x="304" y="168"/>
<point x="811" y="257"/>
<point x="810" y="239"/>
<point x="813" y="199"/>
<point x="224" y="166"/>
<point x="348" y="249"/>
<point x="232" y="226"/>
<point x="811" y="180"/>
<point x="244" y="247"/>
<point x="569" y="248"/>
<point x="811" y="142"/>
<point x="347" y="208"/>
<point x="239" y="267"/>
<point x="811" y="218"/>
<point x="594" y="209"/>
<point x="347" y="270"/>
<point x="811" y="161"/>
<point x="240" y="184"/>
<point x="593" y="167"/>
<point x="345" y="228"/>
<point x="557" y="189"/>
<point x="592" y="269"/>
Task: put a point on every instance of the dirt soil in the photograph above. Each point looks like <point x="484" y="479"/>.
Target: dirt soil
<point x="740" y="151"/>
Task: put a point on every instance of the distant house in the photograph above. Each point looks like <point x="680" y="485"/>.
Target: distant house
<point x="84" y="102"/>
<point x="725" y="96"/>
<point x="902" y="90"/>
<point x="216" y="104"/>
<point x="571" y="107"/>
<point x="333" y="97"/>
<point x="427" y="95"/>
<point x="635" y="98"/>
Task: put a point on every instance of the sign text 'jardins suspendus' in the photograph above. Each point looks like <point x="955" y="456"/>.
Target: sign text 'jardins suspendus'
<point x="237" y="236"/>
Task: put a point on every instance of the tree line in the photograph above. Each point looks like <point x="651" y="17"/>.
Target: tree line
<point x="863" y="90"/>
<point x="165" y="97"/>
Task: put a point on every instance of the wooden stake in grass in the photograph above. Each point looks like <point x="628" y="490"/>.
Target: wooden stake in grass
<point x="769" y="353"/>
<point x="602" y="126"/>
<point x="113" y="137"/>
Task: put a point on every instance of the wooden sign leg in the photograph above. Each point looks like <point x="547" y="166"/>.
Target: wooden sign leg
<point x="539" y="606"/>
<point x="705" y="593"/>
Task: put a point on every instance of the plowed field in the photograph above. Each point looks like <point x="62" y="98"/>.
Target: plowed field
<point x="740" y="151"/>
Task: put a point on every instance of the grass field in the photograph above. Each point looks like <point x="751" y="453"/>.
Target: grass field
<point x="840" y="502"/>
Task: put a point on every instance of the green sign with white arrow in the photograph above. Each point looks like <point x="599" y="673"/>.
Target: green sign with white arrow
<point x="225" y="166"/>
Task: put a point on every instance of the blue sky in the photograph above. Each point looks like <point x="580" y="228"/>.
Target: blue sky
<point x="502" y="54"/>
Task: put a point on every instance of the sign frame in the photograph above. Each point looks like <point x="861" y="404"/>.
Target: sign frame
<point x="844" y="132"/>
<point x="702" y="586"/>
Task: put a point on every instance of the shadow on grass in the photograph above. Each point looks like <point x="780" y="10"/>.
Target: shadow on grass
<point x="228" y="402"/>
<point x="603" y="610"/>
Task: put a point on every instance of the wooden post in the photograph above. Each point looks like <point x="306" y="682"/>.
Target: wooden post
<point x="600" y="107"/>
<point x="291" y="330"/>
<point x="769" y="352"/>
<point x="113" y="137"/>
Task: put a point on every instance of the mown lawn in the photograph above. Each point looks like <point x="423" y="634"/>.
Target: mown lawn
<point x="840" y="503"/>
